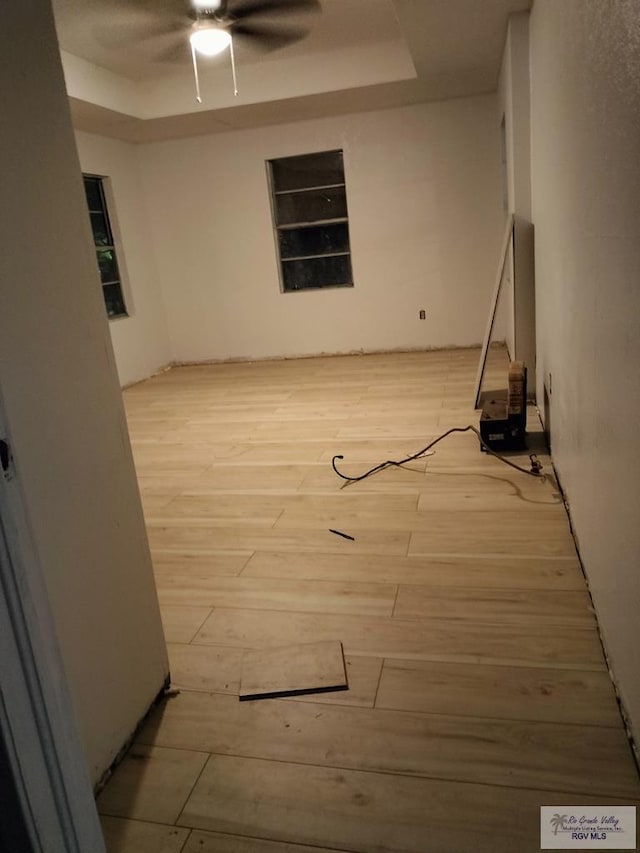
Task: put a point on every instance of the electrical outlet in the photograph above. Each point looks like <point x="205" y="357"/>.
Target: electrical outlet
<point x="423" y="314"/>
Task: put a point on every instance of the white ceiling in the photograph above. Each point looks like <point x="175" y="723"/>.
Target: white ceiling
<point x="359" y="54"/>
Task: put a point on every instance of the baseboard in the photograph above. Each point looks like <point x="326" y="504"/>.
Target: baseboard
<point x="336" y="354"/>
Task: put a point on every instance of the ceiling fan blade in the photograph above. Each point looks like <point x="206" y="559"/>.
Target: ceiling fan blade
<point x="125" y="35"/>
<point x="243" y="8"/>
<point x="267" y="38"/>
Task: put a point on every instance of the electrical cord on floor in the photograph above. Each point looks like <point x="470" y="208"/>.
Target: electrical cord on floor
<point x="534" y="471"/>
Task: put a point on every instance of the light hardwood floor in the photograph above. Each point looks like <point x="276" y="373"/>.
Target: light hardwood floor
<point x="478" y="689"/>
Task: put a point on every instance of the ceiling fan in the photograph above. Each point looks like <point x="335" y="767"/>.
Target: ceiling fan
<point x="208" y="27"/>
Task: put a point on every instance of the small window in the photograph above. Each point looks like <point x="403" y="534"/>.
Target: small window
<point x="309" y="203"/>
<point x="105" y="249"/>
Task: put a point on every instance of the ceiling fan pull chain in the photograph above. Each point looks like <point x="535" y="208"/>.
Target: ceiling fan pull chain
<point x="195" y="74"/>
<point x="233" y="68"/>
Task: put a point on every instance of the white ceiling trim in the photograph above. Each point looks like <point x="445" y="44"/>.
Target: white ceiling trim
<point x="290" y="77"/>
<point x="359" y="55"/>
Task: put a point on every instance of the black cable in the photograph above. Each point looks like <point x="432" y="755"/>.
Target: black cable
<point x="535" y="471"/>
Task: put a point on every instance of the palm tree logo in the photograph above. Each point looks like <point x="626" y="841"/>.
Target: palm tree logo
<point x="557" y="822"/>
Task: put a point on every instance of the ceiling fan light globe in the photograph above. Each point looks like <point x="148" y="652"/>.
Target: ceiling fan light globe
<point x="210" y="41"/>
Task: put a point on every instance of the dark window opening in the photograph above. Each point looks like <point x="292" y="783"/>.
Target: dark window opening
<point x="105" y="249"/>
<point x="309" y="203"/>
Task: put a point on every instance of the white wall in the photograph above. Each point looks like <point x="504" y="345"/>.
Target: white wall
<point x="585" y="72"/>
<point x="141" y="340"/>
<point x="63" y="404"/>
<point x="423" y="190"/>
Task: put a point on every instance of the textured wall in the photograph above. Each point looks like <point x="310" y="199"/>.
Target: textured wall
<point x="585" y="70"/>
<point x="63" y="404"/>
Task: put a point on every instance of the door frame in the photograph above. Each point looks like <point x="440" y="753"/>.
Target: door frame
<point x="48" y="774"/>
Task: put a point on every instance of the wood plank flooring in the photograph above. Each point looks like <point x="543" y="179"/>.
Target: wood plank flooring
<point x="477" y="683"/>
